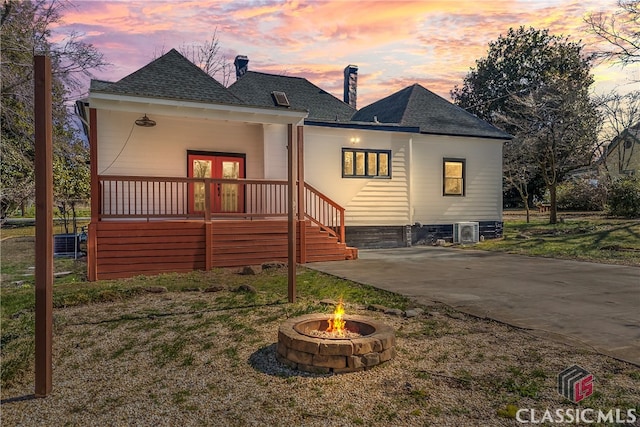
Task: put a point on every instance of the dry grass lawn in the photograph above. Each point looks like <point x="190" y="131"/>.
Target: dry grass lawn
<point x="193" y="358"/>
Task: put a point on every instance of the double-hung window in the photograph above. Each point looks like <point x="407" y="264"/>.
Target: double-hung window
<point x="365" y="163"/>
<point x="453" y="177"/>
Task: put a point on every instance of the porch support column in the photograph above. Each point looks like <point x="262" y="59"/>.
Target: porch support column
<point x="44" y="226"/>
<point x="92" y="239"/>
<point x="301" y="200"/>
<point x="291" y="195"/>
<point x="93" y="165"/>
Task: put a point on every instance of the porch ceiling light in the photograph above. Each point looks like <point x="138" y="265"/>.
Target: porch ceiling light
<point x="145" y="122"/>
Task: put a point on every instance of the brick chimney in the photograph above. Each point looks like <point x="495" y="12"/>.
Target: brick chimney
<point x="242" y="65"/>
<point x="351" y="85"/>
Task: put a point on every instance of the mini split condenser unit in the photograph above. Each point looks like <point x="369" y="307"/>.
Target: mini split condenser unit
<point x="466" y="232"/>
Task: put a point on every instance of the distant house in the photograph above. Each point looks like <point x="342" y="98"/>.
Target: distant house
<point x="188" y="174"/>
<point x="623" y="154"/>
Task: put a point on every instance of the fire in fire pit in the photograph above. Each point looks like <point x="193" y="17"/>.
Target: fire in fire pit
<point x="335" y="343"/>
<point x="336" y="324"/>
<point x="336" y="327"/>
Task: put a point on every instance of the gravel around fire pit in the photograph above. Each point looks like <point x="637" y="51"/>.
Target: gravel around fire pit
<point x="182" y="359"/>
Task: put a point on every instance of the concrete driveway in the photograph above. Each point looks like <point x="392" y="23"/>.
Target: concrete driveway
<point x="583" y="303"/>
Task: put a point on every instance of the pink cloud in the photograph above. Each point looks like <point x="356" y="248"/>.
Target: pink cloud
<point x="395" y="44"/>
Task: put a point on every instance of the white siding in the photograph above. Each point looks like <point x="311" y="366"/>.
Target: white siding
<point x="366" y="201"/>
<point x="483" y="180"/>
<point x="413" y="194"/>
<point x="275" y="151"/>
<point x="126" y="149"/>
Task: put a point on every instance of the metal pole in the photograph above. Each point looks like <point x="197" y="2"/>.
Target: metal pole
<point x="44" y="225"/>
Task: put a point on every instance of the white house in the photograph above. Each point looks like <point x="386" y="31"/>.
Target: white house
<point x="188" y="174"/>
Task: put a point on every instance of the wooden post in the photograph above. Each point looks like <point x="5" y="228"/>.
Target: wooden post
<point x="301" y="200"/>
<point x="93" y="165"/>
<point x="44" y="225"/>
<point x="92" y="238"/>
<point x="291" y="190"/>
<point x="207" y="198"/>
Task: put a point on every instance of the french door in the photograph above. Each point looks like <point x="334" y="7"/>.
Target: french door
<point x="224" y="197"/>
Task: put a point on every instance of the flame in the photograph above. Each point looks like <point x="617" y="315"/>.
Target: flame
<point x="337" y="323"/>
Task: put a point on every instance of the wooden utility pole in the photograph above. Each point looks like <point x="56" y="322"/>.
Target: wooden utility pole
<point x="292" y="213"/>
<point x="44" y="225"/>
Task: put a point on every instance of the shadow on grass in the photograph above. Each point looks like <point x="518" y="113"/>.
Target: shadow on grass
<point x="604" y="236"/>
<point x="18" y="399"/>
<point x="615" y="241"/>
<point x="264" y="360"/>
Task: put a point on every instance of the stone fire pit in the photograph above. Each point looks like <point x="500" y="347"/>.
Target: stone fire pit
<point x="300" y="348"/>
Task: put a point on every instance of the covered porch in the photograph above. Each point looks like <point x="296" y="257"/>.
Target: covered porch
<point x="145" y="222"/>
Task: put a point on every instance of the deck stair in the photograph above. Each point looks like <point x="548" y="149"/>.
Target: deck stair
<point x="321" y="246"/>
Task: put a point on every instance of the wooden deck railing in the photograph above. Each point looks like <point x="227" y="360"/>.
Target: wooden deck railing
<point x="173" y="197"/>
<point x="127" y="197"/>
<point x="324" y="212"/>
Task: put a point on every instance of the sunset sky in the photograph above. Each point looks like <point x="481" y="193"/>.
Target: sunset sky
<point x="393" y="43"/>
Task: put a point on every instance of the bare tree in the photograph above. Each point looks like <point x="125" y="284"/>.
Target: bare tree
<point x="26" y="30"/>
<point x="621" y="30"/>
<point x="557" y="125"/>
<point x="522" y="62"/>
<point x="518" y="169"/>
<point x="208" y="57"/>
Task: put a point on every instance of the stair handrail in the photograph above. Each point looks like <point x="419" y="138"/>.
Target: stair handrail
<point x="324" y="212"/>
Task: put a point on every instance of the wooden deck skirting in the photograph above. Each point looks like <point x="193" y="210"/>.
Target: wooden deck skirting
<point x="128" y="248"/>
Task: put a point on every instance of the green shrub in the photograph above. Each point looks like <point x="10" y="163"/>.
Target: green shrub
<point x="581" y="195"/>
<point x="624" y="197"/>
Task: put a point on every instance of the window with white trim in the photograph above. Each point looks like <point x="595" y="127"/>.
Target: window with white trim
<point x="453" y="177"/>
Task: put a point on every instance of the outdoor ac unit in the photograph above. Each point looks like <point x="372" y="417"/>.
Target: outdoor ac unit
<point x="466" y="232"/>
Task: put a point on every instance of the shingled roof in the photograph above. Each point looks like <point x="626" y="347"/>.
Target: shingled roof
<point x="171" y="76"/>
<point x="418" y="107"/>
<point x="256" y="88"/>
